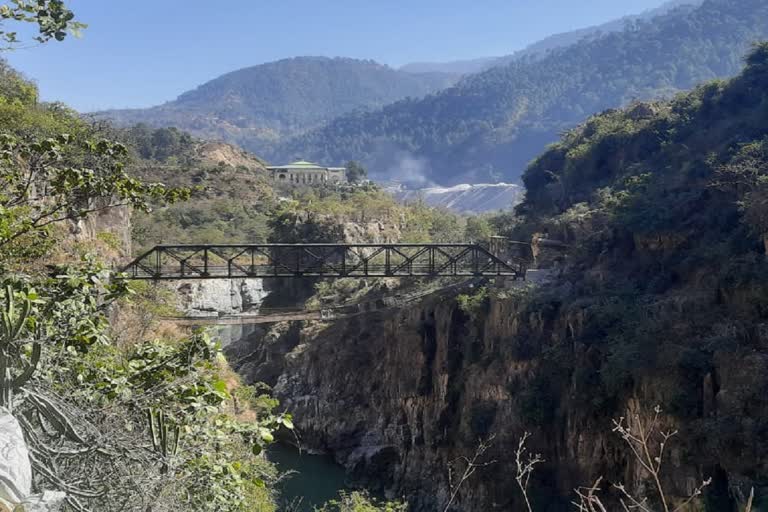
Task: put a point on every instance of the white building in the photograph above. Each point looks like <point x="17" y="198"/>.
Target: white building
<point x="307" y="173"/>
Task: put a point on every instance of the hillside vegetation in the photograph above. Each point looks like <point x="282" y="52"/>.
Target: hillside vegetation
<point x="492" y="124"/>
<point x="231" y="192"/>
<point x="233" y="200"/>
<point x="253" y="107"/>
<point x="666" y="207"/>
<point x="660" y="300"/>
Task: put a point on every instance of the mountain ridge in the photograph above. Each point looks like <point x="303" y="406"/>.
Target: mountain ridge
<point x="256" y="105"/>
<point x="490" y="125"/>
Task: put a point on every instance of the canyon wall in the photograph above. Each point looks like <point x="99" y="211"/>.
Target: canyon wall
<point x="215" y="297"/>
<point x="396" y="396"/>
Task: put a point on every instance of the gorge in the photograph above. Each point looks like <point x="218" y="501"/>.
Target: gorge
<point x="643" y="313"/>
<point x="592" y="337"/>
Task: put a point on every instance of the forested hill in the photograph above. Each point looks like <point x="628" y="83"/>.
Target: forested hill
<point x="540" y="48"/>
<point x="256" y="105"/>
<point x="492" y="124"/>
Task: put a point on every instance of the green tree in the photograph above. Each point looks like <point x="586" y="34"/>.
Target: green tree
<point x="104" y="420"/>
<point x="14" y="88"/>
<point x="53" y="19"/>
<point x="355" y="172"/>
<point x="478" y="229"/>
<point x="167" y="403"/>
<point x="53" y="180"/>
<point x="361" y="502"/>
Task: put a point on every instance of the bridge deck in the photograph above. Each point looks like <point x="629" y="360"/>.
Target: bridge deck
<point x="228" y="261"/>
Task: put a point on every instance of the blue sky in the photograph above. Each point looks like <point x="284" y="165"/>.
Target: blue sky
<point x="143" y="52"/>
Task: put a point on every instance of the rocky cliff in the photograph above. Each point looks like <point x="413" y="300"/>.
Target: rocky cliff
<point x="105" y="233"/>
<point x="438" y="379"/>
<point x="220" y="297"/>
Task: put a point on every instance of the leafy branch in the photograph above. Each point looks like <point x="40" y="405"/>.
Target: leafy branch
<point x="53" y="19"/>
<point x="58" y="179"/>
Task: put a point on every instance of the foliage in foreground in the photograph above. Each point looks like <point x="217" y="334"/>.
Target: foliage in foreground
<point x="154" y="421"/>
<point x="52" y="180"/>
<point x="361" y="502"/>
<point x="155" y="415"/>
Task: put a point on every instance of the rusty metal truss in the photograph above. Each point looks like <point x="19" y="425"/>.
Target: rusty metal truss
<point x="229" y="261"/>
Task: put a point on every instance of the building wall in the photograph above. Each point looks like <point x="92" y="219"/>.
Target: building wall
<point x="308" y="177"/>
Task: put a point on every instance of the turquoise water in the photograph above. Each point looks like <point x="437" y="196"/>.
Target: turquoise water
<point x="317" y="479"/>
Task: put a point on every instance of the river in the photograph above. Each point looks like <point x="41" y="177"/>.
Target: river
<point x="317" y="479"/>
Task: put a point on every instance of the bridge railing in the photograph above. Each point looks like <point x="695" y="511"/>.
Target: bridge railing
<point x="228" y="261"/>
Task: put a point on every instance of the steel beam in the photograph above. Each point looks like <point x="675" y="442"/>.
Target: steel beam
<point x="230" y="261"/>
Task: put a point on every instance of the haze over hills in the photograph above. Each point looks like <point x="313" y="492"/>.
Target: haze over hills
<point x="256" y="106"/>
<point x="462" y="67"/>
<point x="540" y="48"/>
<point x="490" y="125"/>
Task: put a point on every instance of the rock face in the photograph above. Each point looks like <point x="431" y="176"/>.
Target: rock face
<point x="217" y="297"/>
<point x="218" y="153"/>
<point x="397" y="396"/>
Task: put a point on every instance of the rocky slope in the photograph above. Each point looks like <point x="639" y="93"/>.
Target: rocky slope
<point x="438" y="381"/>
<point x="232" y="194"/>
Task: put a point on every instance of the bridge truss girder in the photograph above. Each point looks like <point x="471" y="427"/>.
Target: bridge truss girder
<point x="230" y="261"/>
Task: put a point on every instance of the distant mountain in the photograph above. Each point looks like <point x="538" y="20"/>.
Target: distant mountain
<point x="540" y="48"/>
<point x="461" y="67"/>
<point x="553" y="42"/>
<point x="256" y="106"/>
<point x="490" y="125"/>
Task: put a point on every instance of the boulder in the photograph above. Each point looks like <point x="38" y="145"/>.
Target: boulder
<point x="16" y="473"/>
<point x="15" y="470"/>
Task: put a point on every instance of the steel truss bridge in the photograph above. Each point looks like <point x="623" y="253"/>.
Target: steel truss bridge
<point x="229" y="261"/>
